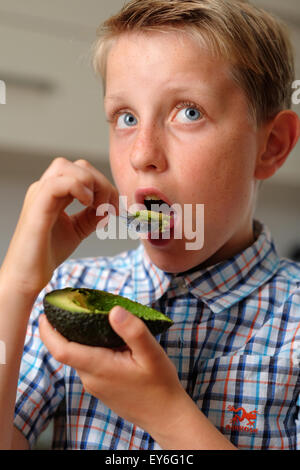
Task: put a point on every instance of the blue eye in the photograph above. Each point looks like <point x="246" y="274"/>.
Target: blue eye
<point x="126" y="120"/>
<point x="188" y="114"/>
<point x="192" y="114"/>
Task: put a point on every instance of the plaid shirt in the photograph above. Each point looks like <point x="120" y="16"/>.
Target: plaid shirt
<point x="235" y="342"/>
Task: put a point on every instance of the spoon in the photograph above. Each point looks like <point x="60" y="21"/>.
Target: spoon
<point x="145" y="221"/>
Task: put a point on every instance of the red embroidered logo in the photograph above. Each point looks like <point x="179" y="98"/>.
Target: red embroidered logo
<point x="241" y="415"/>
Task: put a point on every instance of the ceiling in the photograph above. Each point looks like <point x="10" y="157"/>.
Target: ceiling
<point x="54" y="101"/>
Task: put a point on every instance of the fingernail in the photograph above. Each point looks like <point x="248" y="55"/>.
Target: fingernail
<point x="120" y="315"/>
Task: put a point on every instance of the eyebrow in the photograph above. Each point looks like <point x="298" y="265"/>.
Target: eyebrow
<point x="178" y="89"/>
<point x="113" y="98"/>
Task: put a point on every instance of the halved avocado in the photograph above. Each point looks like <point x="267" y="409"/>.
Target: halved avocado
<point x="81" y="315"/>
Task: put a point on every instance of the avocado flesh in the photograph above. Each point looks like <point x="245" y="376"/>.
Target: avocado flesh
<point x="68" y="300"/>
<point x="163" y="220"/>
<point x="81" y="315"/>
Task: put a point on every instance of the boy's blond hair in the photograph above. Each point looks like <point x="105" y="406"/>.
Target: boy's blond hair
<point x="255" y="43"/>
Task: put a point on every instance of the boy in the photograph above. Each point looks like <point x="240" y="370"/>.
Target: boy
<point x="197" y="94"/>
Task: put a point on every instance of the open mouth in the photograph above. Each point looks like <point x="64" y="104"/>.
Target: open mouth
<point x="152" y="216"/>
<point x="160" y="217"/>
<point x="157" y="205"/>
<point x="155" y="213"/>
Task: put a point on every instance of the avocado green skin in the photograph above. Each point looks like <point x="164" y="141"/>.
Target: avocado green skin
<point x="93" y="329"/>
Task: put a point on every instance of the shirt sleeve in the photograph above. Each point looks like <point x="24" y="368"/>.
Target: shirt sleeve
<point x="41" y="378"/>
<point x="296" y="360"/>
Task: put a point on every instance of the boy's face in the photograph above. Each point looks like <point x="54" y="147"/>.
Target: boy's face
<point x="182" y="128"/>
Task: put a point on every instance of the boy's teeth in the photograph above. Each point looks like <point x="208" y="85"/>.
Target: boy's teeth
<point x="152" y="198"/>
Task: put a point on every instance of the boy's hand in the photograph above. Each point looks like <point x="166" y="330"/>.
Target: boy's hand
<point x="140" y="383"/>
<point x="45" y="235"/>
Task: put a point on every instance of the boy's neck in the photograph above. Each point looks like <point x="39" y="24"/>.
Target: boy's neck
<point x="227" y="253"/>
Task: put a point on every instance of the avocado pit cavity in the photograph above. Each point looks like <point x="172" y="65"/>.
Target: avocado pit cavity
<point x="81" y="315"/>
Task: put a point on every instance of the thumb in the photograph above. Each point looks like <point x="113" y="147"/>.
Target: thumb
<point x="134" y="332"/>
<point x="86" y="221"/>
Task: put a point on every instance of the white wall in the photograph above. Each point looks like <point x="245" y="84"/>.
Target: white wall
<point x="279" y="206"/>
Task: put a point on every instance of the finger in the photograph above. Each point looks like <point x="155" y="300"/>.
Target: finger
<point x="55" y="193"/>
<point x="63" y="167"/>
<point x="134" y="332"/>
<point x="86" y="222"/>
<point x="104" y="190"/>
<point x="78" y="356"/>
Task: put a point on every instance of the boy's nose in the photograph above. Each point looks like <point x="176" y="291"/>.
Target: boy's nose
<point x="148" y="152"/>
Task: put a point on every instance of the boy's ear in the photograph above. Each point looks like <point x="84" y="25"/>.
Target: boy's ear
<point x="280" y="136"/>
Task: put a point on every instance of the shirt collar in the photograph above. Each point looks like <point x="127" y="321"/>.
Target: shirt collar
<point x="150" y="282"/>
<point x="219" y="286"/>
